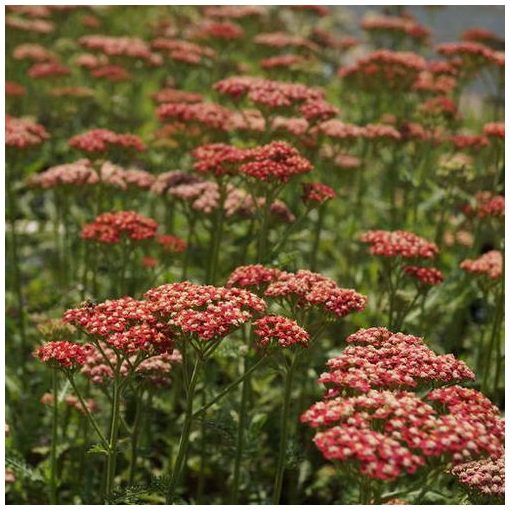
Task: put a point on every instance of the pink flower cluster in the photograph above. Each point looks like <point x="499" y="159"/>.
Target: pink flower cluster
<point x="473" y="55"/>
<point x="495" y="130"/>
<point x="63" y="353"/>
<point x="384" y="69"/>
<point x="390" y="360"/>
<point x="284" y="331"/>
<point x="79" y="173"/>
<point x="485" y="477"/>
<point x="183" y="51"/>
<point x="132" y="47"/>
<point x="102" y="140"/>
<point x="339" y="130"/>
<point x="126" y="325"/>
<point x="48" y="70"/>
<point x="487" y="205"/>
<point x="284" y="40"/>
<point x="23" y="133"/>
<point x="269" y="93"/>
<point x="111" y="227"/>
<point x="489" y="264"/>
<point x="389" y="433"/>
<point x="210" y="115"/>
<point x="400" y="25"/>
<point x="202" y="311"/>
<point x="304" y="289"/>
<point x="398" y="243"/>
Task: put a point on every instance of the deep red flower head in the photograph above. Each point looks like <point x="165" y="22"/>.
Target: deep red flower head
<point x="426" y="275"/>
<point x="110" y="227"/>
<point x="255" y="275"/>
<point x="63" y="353"/>
<point x="282" y="330"/>
<point x="171" y="243"/>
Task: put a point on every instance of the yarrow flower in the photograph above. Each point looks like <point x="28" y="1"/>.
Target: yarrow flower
<point x="210" y="115"/>
<point x="489" y="264"/>
<point x="48" y="70"/>
<point x="484" y="477"/>
<point x="317" y="192"/>
<point x="400" y="25"/>
<point x="63" y="353"/>
<point x="171" y="243"/>
<point x="102" y="140"/>
<point x="398" y="243"/>
<point x="203" y="311"/>
<point x="384" y="69"/>
<point x="494" y="130"/>
<point x="388" y="360"/>
<point x="255" y="275"/>
<point x="285" y="332"/>
<point x="487" y="205"/>
<point x="79" y="173"/>
<point x="427" y="275"/>
<point x="23" y="133"/>
<point x="389" y="433"/>
<point x="111" y="227"/>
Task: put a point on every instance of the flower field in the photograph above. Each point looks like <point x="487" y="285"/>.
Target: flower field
<point x="254" y="255"/>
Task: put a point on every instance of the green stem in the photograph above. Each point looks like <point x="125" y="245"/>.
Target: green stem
<point x="85" y="408"/>
<point x="317" y="237"/>
<point x="494" y="338"/>
<point x="184" y="440"/>
<point x="54" y="439"/>
<point x="230" y="387"/>
<point x="243" y="415"/>
<point x="114" y="432"/>
<point x="284" y="433"/>
<point x="135" y="434"/>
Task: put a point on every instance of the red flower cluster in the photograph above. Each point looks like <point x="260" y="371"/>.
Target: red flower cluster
<point x="210" y="115"/>
<point x="317" y="192"/>
<point x="111" y="227"/>
<point x="33" y="52"/>
<point x="125" y="325"/>
<point x="63" y="353"/>
<point x="285" y="61"/>
<point x="132" y="47"/>
<point x="233" y="11"/>
<point x="389" y="433"/>
<point x="224" y="30"/>
<point x="203" y="311"/>
<point x="495" y="130"/>
<point x="13" y="89"/>
<point x="485" y="477"/>
<point x="473" y="55"/>
<point x="102" y="140"/>
<point x="487" y="204"/>
<point x="275" y="161"/>
<point x="304" y="289"/>
<point x="426" y="275"/>
<point x="168" y="95"/>
<point x="79" y="173"/>
<point x="183" y="51"/>
<point x="23" y="133"/>
<point x="339" y="130"/>
<point x="48" y="70"/>
<point x="475" y="142"/>
<point x="171" y="243"/>
<point x="400" y="25"/>
<point x="489" y="264"/>
<point x="398" y="243"/>
<point x="284" y="331"/>
<point x="255" y="275"/>
<point x="384" y="69"/>
<point x="284" y="40"/>
<point x="390" y="360"/>
<point x="318" y="110"/>
<point x="274" y="94"/>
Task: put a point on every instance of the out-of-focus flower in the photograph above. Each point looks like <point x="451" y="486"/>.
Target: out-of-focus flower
<point x="289" y="61"/>
<point x="79" y="173"/>
<point x="398" y="243"/>
<point x="463" y="142"/>
<point x="183" y="51"/>
<point x="13" y="89"/>
<point x="23" y="133"/>
<point x="37" y="26"/>
<point x="284" y="40"/>
<point x="427" y="275"/>
<point x="33" y="52"/>
<point x="132" y="47"/>
<point x="48" y="70"/>
<point x="234" y="11"/>
<point x="317" y="192"/>
<point x="494" y="130"/>
<point x="102" y="140"/>
<point x="486" y="205"/>
<point x="489" y="264"/>
<point x="111" y="227"/>
<point x="177" y="96"/>
<point x="396" y="24"/>
<point x="171" y="243"/>
<point x="112" y="73"/>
